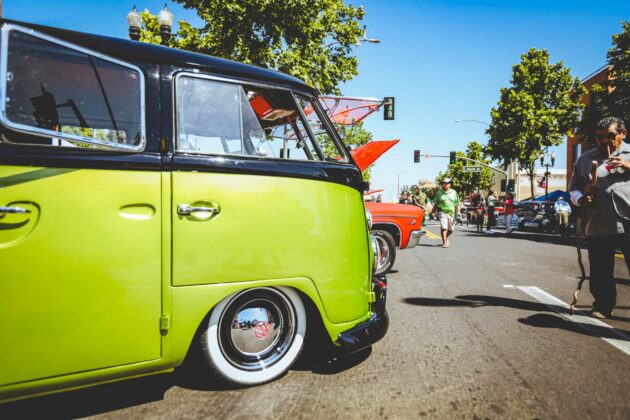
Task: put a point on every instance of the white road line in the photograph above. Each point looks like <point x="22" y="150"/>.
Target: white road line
<point x="622" y="342"/>
<point x="509" y="286"/>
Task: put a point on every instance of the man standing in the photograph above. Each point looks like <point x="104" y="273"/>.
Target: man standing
<point x="563" y="210"/>
<point x="447" y="202"/>
<point x="603" y="223"/>
<point x="508" y="211"/>
<point x="492" y="221"/>
<point x="420" y="199"/>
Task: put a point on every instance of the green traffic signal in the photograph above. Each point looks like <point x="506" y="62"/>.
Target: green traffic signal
<point x="453" y="157"/>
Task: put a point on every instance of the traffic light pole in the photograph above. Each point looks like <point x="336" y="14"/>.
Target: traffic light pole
<point x="502" y="172"/>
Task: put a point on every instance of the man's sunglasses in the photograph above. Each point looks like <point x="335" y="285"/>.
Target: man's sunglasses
<point x="607" y="136"/>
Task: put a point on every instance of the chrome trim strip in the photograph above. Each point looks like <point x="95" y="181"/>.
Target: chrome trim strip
<point x="4" y="53"/>
<point x="396" y="216"/>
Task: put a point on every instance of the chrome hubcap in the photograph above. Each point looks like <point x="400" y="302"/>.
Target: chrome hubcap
<point x="256" y="329"/>
<point x="384" y="255"/>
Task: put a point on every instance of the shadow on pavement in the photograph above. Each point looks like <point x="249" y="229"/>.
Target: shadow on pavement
<point x="329" y="362"/>
<point x="106" y="398"/>
<point x="535" y="237"/>
<point x="91" y="401"/>
<point x="555" y="321"/>
<point x="475" y="301"/>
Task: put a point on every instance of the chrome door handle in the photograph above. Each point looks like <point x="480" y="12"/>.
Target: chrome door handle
<point x="187" y="209"/>
<point x="13" y="210"/>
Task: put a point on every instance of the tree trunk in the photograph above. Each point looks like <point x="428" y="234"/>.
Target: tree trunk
<point x="531" y="172"/>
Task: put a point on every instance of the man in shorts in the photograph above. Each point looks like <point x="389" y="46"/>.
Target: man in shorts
<point x="447" y="202"/>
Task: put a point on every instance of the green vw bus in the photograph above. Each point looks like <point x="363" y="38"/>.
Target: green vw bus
<point x="153" y="201"/>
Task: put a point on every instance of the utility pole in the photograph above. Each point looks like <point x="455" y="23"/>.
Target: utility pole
<point x="398" y="187"/>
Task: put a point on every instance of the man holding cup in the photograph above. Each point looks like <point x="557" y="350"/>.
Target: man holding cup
<point x="605" y="222"/>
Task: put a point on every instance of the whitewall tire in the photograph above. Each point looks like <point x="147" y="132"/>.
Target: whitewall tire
<point x="255" y="335"/>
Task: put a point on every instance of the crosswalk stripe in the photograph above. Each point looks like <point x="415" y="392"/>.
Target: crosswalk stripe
<point x="595" y="326"/>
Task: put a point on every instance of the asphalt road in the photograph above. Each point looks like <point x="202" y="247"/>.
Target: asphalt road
<point x="476" y="332"/>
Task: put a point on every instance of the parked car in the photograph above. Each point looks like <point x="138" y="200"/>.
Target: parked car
<point x="155" y="201"/>
<point x="536" y="216"/>
<point x="395" y="226"/>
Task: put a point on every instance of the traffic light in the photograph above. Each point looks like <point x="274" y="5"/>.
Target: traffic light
<point x="510" y="186"/>
<point x="503" y="185"/>
<point x="453" y="157"/>
<point x="388" y="108"/>
<point x="416" y="156"/>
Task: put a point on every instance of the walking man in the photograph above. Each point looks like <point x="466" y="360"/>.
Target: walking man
<point x="605" y="209"/>
<point x="447" y="202"/>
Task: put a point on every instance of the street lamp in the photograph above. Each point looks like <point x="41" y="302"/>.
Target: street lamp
<point x="551" y="163"/>
<point x="165" y="18"/>
<point x="135" y="21"/>
<point x="360" y="41"/>
<point x="366" y="39"/>
<point x="477" y="121"/>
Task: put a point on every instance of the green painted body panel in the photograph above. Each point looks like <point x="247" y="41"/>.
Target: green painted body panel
<point x="80" y="285"/>
<point x="102" y="256"/>
<point x="191" y="303"/>
<point x="274" y="228"/>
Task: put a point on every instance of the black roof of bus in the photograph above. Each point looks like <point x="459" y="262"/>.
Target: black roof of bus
<point x="141" y="51"/>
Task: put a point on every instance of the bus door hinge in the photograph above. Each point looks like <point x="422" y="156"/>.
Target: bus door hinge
<point x="165" y="323"/>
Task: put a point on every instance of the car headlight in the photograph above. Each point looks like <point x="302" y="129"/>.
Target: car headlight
<point x="368" y="217"/>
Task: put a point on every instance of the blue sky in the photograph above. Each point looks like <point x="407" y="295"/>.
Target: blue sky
<point x="442" y="60"/>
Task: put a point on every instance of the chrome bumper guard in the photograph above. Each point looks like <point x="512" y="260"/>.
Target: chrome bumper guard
<point x="368" y="332"/>
<point x="414" y="238"/>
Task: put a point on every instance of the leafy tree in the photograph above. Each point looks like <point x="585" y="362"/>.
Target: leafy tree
<point x="467" y="183"/>
<point x="619" y="60"/>
<point x="613" y="97"/>
<point x="309" y="39"/>
<point x="539" y="108"/>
